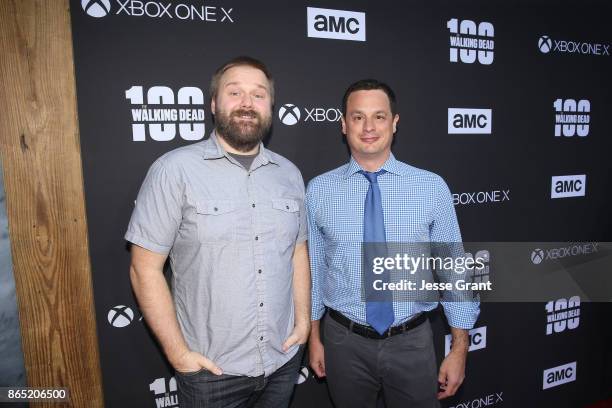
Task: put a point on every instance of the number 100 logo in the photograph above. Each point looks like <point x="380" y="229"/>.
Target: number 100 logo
<point x="562" y="314"/>
<point x="161" y="114"/>
<point x="470" y="41"/>
<point x="571" y="117"/>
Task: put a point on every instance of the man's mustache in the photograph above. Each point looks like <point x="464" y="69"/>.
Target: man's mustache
<point x="246" y="112"/>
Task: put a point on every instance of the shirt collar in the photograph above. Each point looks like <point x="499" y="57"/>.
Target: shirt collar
<point x="214" y="150"/>
<point x="391" y="166"/>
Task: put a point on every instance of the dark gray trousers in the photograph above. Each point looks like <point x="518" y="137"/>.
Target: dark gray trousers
<point x="403" y="367"/>
<point x="206" y="390"/>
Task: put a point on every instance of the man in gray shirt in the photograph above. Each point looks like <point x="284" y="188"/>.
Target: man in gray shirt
<point x="230" y="216"/>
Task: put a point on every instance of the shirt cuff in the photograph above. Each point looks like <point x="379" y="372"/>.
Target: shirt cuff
<point x="317" y="312"/>
<point x="146" y="244"/>
<point x="461" y="315"/>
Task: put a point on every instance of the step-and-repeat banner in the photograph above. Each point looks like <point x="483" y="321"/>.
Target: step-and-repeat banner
<point x="508" y="102"/>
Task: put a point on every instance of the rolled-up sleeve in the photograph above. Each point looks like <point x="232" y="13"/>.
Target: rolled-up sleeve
<point x="461" y="314"/>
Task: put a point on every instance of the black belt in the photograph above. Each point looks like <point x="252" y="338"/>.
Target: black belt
<point x="369" y="332"/>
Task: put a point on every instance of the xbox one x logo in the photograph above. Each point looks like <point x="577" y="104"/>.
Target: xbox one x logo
<point x="96" y="8"/>
<point x="537" y="256"/>
<point x="289" y="114"/>
<point x="120" y="316"/>
<point x="545" y="44"/>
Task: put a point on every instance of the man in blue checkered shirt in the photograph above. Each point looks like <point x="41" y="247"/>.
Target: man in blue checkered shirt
<point x="358" y="360"/>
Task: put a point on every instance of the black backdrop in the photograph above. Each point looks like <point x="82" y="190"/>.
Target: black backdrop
<point x="165" y="46"/>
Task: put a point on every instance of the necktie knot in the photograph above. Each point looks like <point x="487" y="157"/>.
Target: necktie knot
<point x="372" y="176"/>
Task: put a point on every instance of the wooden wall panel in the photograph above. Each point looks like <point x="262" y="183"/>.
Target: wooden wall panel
<point x="40" y="151"/>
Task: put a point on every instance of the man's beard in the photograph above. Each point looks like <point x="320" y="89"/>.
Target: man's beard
<point x="242" y="136"/>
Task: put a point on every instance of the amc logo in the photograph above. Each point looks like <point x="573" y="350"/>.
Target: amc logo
<point x="335" y="24"/>
<point x="477" y="336"/>
<point x="568" y="186"/>
<point x="469" y="121"/>
<point x="559" y="375"/>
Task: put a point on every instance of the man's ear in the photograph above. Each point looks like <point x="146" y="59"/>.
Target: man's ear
<point x="343" y="125"/>
<point x="212" y="106"/>
<point x="395" y="120"/>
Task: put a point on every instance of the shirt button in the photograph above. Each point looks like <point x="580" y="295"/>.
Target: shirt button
<point x="287" y="207"/>
<point x="259" y="271"/>
<point x="261" y="338"/>
<point x="256" y="238"/>
<point x="261" y="305"/>
<point x="253" y="205"/>
<point x="216" y="209"/>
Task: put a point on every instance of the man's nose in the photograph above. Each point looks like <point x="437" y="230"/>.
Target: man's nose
<point x="246" y="101"/>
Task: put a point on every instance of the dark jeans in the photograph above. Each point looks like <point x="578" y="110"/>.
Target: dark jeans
<point x="203" y="389"/>
<point x="402" y="367"/>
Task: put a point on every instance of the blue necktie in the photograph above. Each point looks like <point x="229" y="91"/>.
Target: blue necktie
<point x="379" y="306"/>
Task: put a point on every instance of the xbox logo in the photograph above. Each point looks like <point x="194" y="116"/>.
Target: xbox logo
<point x="289" y="114"/>
<point x="120" y="316"/>
<point x="96" y="8"/>
<point x="302" y="375"/>
<point x="545" y="44"/>
<point x="537" y="256"/>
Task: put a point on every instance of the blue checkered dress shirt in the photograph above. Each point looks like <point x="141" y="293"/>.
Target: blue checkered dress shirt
<point x="417" y="206"/>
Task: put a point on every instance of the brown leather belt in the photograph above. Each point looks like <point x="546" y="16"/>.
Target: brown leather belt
<point x="369" y="332"/>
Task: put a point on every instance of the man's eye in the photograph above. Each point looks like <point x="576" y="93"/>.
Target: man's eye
<point x="234" y="93"/>
<point x="260" y="96"/>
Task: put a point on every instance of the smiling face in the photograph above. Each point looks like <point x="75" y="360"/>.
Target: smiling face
<point x="243" y="107"/>
<point x="369" y="126"/>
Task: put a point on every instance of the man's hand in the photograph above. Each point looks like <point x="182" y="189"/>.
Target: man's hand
<point x="316" y="357"/>
<point x="316" y="352"/>
<point x="299" y="335"/>
<point x="452" y="373"/>
<point x="191" y="361"/>
<point x="452" y="370"/>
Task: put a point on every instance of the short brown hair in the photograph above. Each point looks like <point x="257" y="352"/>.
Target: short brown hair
<point x="238" y="62"/>
<point x="369" y="85"/>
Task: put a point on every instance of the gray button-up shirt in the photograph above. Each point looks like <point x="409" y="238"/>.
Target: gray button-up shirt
<point x="230" y="235"/>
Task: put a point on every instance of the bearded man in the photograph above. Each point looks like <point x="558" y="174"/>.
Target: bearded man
<point x="229" y="215"/>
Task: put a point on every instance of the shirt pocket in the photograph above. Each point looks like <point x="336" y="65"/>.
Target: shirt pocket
<point x="216" y="220"/>
<point x="286" y="220"/>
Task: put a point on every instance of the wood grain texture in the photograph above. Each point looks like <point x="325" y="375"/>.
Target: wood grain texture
<point x="41" y="157"/>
